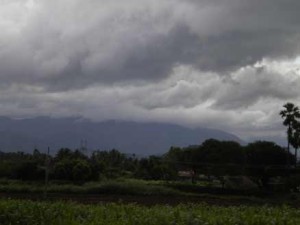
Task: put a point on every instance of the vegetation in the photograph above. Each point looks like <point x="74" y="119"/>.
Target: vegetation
<point x="290" y="114"/>
<point x="116" y="187"/>
<point x="27" y="212"/>
<point x="213" y="159"/>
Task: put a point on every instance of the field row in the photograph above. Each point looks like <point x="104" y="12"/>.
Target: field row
<point x="36" y="213"/>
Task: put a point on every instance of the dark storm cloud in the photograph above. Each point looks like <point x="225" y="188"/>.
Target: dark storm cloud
<point x="151" y="61"/>
<point x="244" y="32"/>
<point x="232" y="50"/>
<point x="61" y="50"/>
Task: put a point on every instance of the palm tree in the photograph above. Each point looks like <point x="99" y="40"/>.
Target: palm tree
<point x="290" y="114"/>
<point x="295" y="139"/>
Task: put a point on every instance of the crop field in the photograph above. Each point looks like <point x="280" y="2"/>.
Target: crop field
<point x="36" y="213"/>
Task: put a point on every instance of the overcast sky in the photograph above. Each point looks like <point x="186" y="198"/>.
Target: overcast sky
<point x="225" y="64"/>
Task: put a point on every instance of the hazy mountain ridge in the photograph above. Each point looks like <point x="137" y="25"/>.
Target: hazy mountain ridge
<point x="129" y="137"/>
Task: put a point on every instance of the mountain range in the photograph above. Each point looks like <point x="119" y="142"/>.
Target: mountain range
<point x="128" y="137"/>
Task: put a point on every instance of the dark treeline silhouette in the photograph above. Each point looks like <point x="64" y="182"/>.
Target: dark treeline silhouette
<point x="259" y="160"/>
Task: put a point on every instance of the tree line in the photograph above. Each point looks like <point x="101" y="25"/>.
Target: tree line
<point x="212" y="157"/>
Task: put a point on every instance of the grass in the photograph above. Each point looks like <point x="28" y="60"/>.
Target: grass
<point x="133" y="187"/>
<point x="121" y="187"/>
<point x="59" y="213"/>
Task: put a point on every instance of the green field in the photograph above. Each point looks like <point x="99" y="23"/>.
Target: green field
<point x="121" y="187"/>
<point x="37" y="213"/>
<point x="140" y="191"/>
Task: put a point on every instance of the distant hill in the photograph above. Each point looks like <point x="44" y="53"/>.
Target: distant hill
<point x="129" y="137"/>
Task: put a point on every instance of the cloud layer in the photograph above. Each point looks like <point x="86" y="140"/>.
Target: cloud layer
<point x="227" y="64"/>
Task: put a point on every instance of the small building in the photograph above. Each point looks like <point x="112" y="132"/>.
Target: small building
<point x="187" y="175"/>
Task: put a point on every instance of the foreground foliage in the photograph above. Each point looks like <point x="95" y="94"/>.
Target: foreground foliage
<point x="28" y="212"/>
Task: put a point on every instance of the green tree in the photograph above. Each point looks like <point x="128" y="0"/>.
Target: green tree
<point x="28" y="170"/>
<point x="63" y="153"/>
<point x="289" y="114"/>
<point x="265" y="153"/>
<point x="63" y="170"/>
<point x="110" y="164"/>
<point x="81" y="171"/>
<point x="265" y="160"/>
<point x="220" y="152"/>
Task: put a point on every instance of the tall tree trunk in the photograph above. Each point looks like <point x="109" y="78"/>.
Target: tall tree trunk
<point x="296" y="155"/>
<point x="288" y="147"/>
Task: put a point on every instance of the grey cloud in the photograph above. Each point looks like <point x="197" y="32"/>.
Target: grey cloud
<point x="232" y="50"/>
<point x="119" y="46"/>
<point x="240" y="33"/>
<point x="149" y="61"/>
<point x="183" y="94"/>
<point x="253" y="84"/>
<point x="62" y="48"/>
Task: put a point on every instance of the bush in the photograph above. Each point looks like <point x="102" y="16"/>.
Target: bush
<point x="293" y="183"/>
